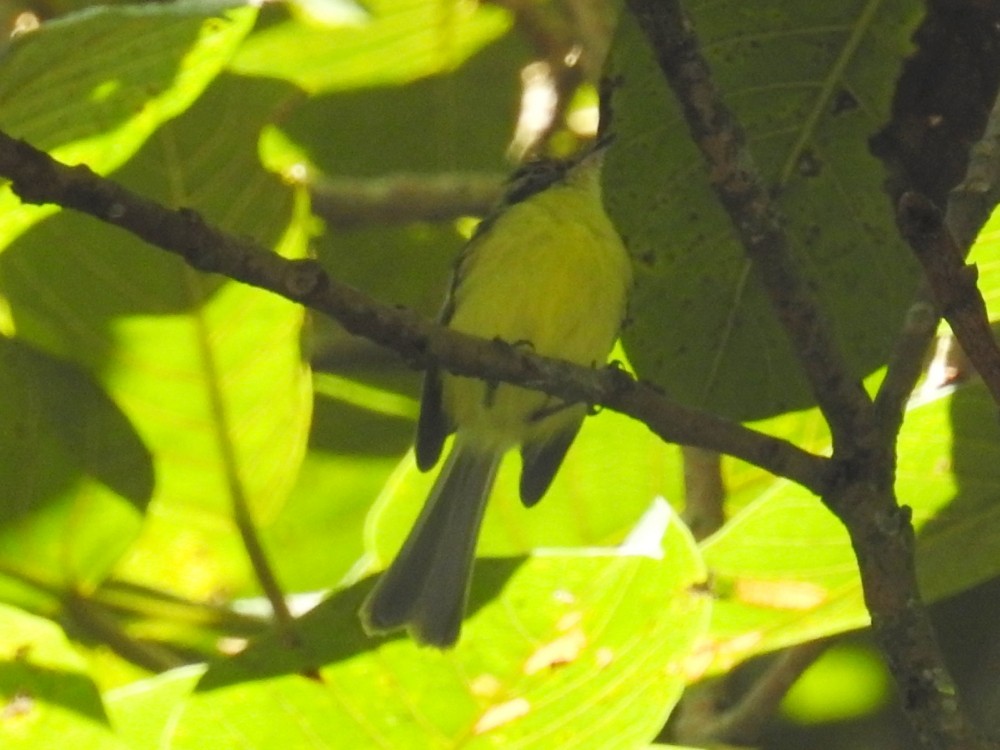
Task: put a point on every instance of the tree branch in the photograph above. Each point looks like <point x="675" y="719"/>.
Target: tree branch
<point x="970" y="204"/>
<point x="862" y="496"/>
<point x="347" y="203"/>
<point x="906" y="363"/>
<point x="953" y="284"/>
<point x="743" y="193"/>
<point x="743" y="722"/>
<point x="37" y="178"/>
<point x="704" y="492"/>
<point x="884" y="541"/>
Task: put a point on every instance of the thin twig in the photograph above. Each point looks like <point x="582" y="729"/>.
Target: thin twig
<point x="348" y="203"/>
<point x="899" y="623"/>
<point x="96" y="623"/>
<point x="970" y="204"/>
<point x="260" y="563"/>
<point x="742" y="723"/>
<point x="704" y="513"/>
<point x="906" y="363"/>
<point x="242" y="515"/>
<point x="135" y="600"/>
<point x="953" y="283"/>
<point x="884" y="542"/>
<point x="704" y="491"/>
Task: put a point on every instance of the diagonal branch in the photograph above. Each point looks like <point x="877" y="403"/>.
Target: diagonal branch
<point x="347" y="203"/>
<point x="953" y="284"/>
<point x="970" y="204"/>
<point x="862" y="497"/>
<point x="37" y="178"/>
<point x="743" y="193"/>
<point x="722" y="719"/>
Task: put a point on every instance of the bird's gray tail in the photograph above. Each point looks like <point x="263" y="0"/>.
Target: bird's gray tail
<point x="426" y="586"/>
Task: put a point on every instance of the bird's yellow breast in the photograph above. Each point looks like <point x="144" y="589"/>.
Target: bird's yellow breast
<point x="552" y="273"/>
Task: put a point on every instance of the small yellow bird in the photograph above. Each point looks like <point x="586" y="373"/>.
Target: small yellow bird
<point x="546" y="270"/>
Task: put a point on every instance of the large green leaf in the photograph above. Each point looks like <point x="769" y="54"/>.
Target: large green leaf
<point x="986" y="255"/>
<point x="209" y="372"/>
<point x="575" y="651"/>
<point x="76" y="477"/>
<point x="784" y="566"/>
<point x="48" y="699"/>
<point x="399" y="41"/>
<point x="810" y="82"/>
<point x="141" y="711"/>
<point x="357" y="435"/>
<point x="92" y="86"/>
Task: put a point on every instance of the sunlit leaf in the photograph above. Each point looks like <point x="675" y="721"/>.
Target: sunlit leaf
<point x="209" y="372"/>
<point x="140" y="712"/>
<point x="76" y="476"/>
<point x="92" y="86"/>
<point x="846" y="682"/>
<point x="399" y="41"/>
<point x="46" y="697"/>
<point x="784" y="565"/>
<point x="561" y="650"/>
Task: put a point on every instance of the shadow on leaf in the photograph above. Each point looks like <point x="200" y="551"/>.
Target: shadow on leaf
<point x="331" y="632"/>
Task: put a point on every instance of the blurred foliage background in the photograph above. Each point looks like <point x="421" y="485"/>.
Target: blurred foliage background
<point x="141" y="400"/>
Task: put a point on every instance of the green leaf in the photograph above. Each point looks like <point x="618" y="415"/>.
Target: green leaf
<point x="846" y="682"/>
<point x="140" y="712"/>
<point x="76" y="476"/>
<point x="810" y="83"/>
<point x="328" y="13"/>
<point x="46" y="696"/>
<point x="92" y="86"/>
<point x="400" y="41"/>
<point x="561" y="650"/>
<point x="368" y="131"/>
<point x="208" y="371"/>
<point x="318" y="535"/>
<point x="358" y="431"/>
<point x="985" y="254"/>
<point x="784" y="566"/>
<point x="784" y="563"/>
